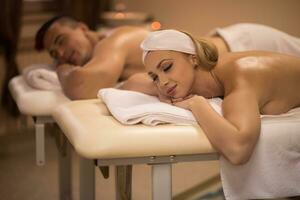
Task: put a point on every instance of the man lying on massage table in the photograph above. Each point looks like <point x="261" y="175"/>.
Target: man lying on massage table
<point x="90" y="60"/>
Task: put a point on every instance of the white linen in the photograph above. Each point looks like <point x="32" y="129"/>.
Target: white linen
<point x="131" y="107"/>
<point x="248" y="37"/>
<point x="273" y="170"/>
<point x="42" y="77"/>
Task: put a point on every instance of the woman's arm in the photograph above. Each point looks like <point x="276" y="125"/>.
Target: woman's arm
<point x="140" y="82"/>
<point x="235" y="134"/>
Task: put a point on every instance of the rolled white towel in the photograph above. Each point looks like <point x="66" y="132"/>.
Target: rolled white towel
<point x="131" y="107"/>
<point x="42" y="76"/>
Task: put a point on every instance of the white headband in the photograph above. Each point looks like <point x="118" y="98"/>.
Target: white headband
<point x="168" y="40"/>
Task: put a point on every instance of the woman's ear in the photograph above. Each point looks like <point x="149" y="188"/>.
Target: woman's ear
<point x="193" y="60"/>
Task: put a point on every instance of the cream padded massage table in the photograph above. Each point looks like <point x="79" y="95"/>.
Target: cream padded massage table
<point x="39" y="104"/>
<point x="96" y="135"/>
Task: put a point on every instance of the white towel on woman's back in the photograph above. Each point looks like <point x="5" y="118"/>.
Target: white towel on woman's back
<point x="42" y="76"/>
<point x="273" y="170"/>
<point x="131" y="107"/>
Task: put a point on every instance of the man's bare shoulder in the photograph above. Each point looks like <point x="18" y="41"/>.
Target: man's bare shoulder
<point x="125" y="33"/>
<point x="128" y="30"/>
<point x="122" y="39"/>
<point x="117" y="48"/>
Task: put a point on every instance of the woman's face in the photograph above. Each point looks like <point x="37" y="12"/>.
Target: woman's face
<point x="172" y="72"/>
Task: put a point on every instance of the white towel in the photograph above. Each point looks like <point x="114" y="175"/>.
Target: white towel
<point x="248" y="37"/>
<point x="273" y="170"/>
<point x="131" y="107"/>
<point x="42" y="76"/>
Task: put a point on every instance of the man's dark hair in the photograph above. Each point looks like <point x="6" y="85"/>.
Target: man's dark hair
<point x="62" y="19"/>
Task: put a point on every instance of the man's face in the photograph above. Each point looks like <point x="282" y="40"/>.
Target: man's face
<point x="69" y="44"/>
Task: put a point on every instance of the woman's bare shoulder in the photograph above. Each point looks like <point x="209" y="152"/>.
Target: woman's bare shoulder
<point x="238" y="69"/>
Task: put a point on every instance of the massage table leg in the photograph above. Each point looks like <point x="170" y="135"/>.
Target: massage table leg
<point x="87" y="179"/>
<point x="161" y="169"/>
<point x="65" y="171"/>
<point x="123" y="179"/>
<point x="40" y="142"/>
<point x="40" y="138"/>
<point x="64" y="156"/>
<point x="162" y="181"/>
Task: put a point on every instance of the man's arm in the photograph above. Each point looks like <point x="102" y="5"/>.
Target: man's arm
<point x="103" y="70"/>
<point x="65" y="73"/>
<point x="84" y="82"/>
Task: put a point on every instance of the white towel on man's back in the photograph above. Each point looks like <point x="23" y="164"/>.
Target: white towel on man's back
<point x="131" y="107"/>
<point x="249" y="37"/>
<point x="42" y="76"/>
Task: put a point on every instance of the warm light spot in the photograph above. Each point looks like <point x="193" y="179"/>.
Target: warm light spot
<point x="120" y="15"/>
<point x="155" y="25"/>
<point x="120" y="7"/>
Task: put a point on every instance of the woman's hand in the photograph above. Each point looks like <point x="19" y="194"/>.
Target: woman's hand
<point x="187" y="101"/>
<point x="164" y="98"/>
<point x="184" y="102"/>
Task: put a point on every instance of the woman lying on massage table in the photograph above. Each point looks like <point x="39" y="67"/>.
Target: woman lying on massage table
<point x="186" y="71"/>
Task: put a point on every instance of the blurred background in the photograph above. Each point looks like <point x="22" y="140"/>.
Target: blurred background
<point x="20" y="19"/>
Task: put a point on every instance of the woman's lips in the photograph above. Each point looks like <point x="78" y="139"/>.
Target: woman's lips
<point x="172" y="91"/>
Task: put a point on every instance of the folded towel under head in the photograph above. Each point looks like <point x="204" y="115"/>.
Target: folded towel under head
<point x="42" y="76"/>
<point x="131" y="107"/>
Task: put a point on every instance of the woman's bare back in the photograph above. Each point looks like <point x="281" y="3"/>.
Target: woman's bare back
<point x="275" y="78"/>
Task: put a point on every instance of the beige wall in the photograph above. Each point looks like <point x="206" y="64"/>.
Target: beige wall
<point x="200" y="16"/>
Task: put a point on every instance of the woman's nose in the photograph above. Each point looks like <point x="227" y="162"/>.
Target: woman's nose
<point x="163" y="80"/>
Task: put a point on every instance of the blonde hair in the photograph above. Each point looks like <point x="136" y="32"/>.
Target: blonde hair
<point x="206" y="52"/>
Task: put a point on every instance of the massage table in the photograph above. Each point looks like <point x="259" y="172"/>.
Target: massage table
<point x="96" y="135"/>
<point x="100" y="138"/>
<point x="39" y="104"/>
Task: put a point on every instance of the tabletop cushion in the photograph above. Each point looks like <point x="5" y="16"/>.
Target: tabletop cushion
<point x="95" y="134"/>
<point x="32" y="101"/>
